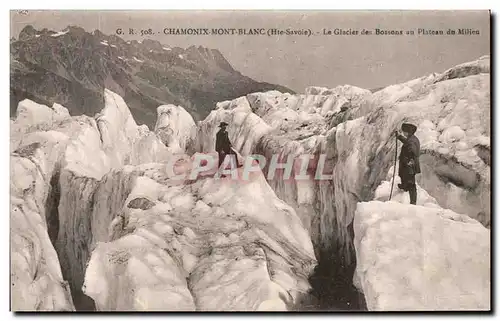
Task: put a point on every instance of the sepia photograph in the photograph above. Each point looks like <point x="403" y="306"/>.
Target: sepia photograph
<point x="250" y="160"/>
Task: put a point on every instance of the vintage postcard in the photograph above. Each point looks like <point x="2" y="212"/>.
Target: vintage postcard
<point x="250" y="161"/>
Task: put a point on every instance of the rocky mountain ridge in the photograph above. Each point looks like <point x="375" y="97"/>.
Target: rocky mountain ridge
<point x="72" y="67"/>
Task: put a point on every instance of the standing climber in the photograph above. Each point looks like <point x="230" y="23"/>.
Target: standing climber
<point x="222" y="143"/>
<point x="409" y="164"/>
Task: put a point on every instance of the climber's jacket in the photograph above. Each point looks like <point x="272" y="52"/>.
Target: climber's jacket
<point x="222" y="143"/>
<point x="410" y="153"/>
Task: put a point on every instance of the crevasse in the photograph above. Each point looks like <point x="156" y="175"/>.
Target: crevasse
<point x="360" y="147"/>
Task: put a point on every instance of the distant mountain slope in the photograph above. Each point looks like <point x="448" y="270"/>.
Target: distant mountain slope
<point x="72" y="66"/>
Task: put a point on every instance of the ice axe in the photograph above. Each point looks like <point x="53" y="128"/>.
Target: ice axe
<point x="237" y="155"/>
<point x="395" y="161"/>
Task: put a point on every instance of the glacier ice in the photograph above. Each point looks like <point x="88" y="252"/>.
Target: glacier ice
<point x="37" y="282"/>
<point x="212" y="245"/>
<point x="419" y="258"/>
<point x="69" y="156"/>
<point x="132" y="235"/>
<point x="176" y="128"/>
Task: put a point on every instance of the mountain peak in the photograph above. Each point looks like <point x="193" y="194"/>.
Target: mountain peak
<point x="97" y="33"/>
<point x="75" y="30"/>
<point x="27" y="32"/>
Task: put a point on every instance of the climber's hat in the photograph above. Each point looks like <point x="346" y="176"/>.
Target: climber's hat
<point x="223" y="124"/>
<point x="409" y="128"/>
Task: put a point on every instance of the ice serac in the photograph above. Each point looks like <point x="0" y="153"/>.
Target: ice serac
<point x="452" y="116"/>
<point x="353" y="128"/>
<point x="453" y="119"/>
<point x="480" y="66"/>
<point x="110" y="141"/>
<point x="412" y="257"/>
<point x="207" y="245"/>
<point x="36" y="280"/>
<point x="64" y="161"/>
<point x="245" y="128"/>
<point x="296" y="126"/>
<point x="443" y="258"/>
<point x="176" y="128"/>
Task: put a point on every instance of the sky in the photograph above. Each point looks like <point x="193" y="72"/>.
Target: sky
<point x="367" y="61"/>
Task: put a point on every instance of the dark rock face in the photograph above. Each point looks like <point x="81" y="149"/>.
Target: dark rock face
<point x="141" y="203"/>
<point x="484" y="152"/>
<point x="72" y="67"/>
<point x="28" y="150"/>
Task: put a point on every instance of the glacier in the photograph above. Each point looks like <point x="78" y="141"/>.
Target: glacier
<point x="353" y="127"/>
<point x="99" y="222"/>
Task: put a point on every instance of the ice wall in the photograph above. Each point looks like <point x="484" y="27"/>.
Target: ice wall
<point x="459" y="109"/>
<point x="353" y="129"/>
<point x="36" y="280"/>
<point x="115" y="141"/>
<point x="287" y="125"/>
<point x="245" y="128"/>
<point x="77" y="154"/>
